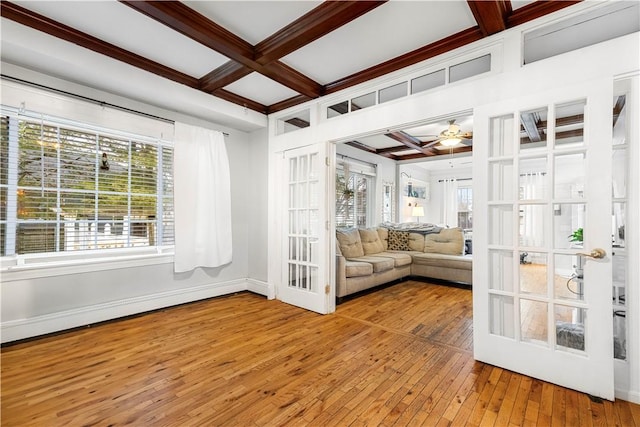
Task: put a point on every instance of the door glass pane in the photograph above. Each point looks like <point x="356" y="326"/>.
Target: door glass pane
<point x="533" y="321"/>
<point x="314" y="283"/>
<point x="292" y="196"/>
<point x="533" y="180"/>
<point x="619" y="120"/>
<point x="293" y="282"/>
<point x="619" y="172"/>
<point x="568" y="225"/>
<point x="314" y="254"/>
<point x="569" y="131"/>
<point x="302" y="241"/>
<point x="302" y="170"/>
<point x="500" y="225"/>
<point x="314" y="159"/>
<point x="568" y="277"/>
<point x="314" y="195"/>
<point x="501" y="185"/>
<point x="293" y="169"/>
<point x="292" y="222"/>
<point x="570" y="172"/>
<point x="620" y="334"/>
<point x="303" y="227"/>
<point x="501" y="135"/>
<point x="533" y="129"/>
<point x="501" y="270"/>
<point x="293" y="254"/>
<point x="303" y="277"/>
<point x="314" y="226"/>
<point x="533" y="273"/>
<point x="619" y="268"/>
<point x="533" y="223"/>
<point x="501" y="315"/>
<point x="619" y="220"/>
<point x="302" y="195"/>
<point x="570" y="327"/>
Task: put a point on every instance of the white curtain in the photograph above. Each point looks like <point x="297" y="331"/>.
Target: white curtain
<point x="450" y="202"/>
<point x="532" y="227"/>
<point x="202" y="199"/>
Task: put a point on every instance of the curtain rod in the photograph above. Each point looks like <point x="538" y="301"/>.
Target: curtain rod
<point x="469" y="179"/>
<point x="92" y="100"/>
<point x="459" y="179"/>
<point x="357" y="160"/>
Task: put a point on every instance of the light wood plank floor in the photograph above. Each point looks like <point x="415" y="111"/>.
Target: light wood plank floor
<point x="398" y="356"/>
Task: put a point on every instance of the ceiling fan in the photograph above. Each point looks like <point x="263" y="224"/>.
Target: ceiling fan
<point x="449" y="137"/>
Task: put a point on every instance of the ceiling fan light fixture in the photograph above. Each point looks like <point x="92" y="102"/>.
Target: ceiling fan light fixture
<point x="450" y="141"/>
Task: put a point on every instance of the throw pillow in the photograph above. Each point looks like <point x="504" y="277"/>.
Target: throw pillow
<point x="398" y="240"/>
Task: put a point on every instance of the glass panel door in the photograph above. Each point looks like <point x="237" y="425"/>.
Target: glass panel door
<point x="305" y="275"/>
<point x="541" y="299"/>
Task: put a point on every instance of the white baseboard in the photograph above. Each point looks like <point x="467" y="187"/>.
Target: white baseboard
<point x="27" y="328"/>
<point x="258" y="286"/>
<point x="628" y="395"/>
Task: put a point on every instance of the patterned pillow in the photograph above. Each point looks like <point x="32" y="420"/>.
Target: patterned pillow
<point x="398" y="240"/>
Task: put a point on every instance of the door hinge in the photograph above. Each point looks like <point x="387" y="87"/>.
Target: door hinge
<point x="326" y="225"/>
<point x="326" y="161"/>
<point x="326" y="290"/>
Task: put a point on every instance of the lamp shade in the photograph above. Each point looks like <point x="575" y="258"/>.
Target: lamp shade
<point x="417" y="211"/>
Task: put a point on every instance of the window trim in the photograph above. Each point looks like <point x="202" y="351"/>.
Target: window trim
<point x="35" y="266"/>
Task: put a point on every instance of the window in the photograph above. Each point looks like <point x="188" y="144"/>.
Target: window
<point x="65" y="186"/>
<point x="465" y="208"/>
<point x="354" y="194"/>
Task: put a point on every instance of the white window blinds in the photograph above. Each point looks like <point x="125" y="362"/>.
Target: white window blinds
<point x="66" y="186"/>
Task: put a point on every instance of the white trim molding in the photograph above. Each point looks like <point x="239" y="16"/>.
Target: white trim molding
<point x="14" y="330"/>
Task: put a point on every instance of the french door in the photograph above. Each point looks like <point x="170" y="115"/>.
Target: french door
<point x="542" y="236"/>
<point x="306" y="268"/>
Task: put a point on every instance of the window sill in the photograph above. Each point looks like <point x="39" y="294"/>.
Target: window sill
<point x="33" y="267"/>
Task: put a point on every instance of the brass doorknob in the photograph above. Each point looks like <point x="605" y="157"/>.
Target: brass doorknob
<point x="597" y="253"/>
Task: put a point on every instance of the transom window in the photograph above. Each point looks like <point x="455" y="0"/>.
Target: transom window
<point x="66" y="186"/>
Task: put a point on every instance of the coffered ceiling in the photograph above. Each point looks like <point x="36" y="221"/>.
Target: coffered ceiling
<point x="262" y="55"/>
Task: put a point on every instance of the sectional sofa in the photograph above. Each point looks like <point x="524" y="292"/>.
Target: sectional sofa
<point x="369" y="257"/>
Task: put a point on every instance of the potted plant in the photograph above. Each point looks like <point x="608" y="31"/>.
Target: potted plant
<point x="576" y="236"/>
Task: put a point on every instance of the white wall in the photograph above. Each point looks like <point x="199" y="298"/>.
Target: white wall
<point x="257" y="194"/>
<point x="38" y="301"/>
<point x="419" y="176"/>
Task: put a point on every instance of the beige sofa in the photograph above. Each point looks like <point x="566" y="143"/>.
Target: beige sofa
<point x="366" y="258"/>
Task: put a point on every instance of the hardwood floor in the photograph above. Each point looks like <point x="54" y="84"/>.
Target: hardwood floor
<point x="398" y="356"/>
